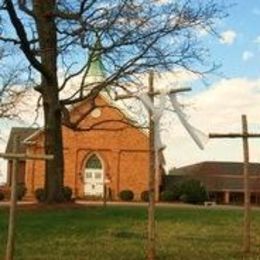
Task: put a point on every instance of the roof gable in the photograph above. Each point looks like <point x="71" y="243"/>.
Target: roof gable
<point x="114" y="116"/>
<point x="22" y="133"/>
<point x="107" y="102"/>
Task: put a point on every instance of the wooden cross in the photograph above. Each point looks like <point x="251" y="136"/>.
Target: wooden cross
<point x="152" y="93"/>
<point x="153" y="185"/>
<point x="15" y="157"/>
<point x="244" y="135"/>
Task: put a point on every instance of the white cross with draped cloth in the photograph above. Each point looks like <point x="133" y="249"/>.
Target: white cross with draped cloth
<point x="156" y="112"/>
<point x="155" y="143"/>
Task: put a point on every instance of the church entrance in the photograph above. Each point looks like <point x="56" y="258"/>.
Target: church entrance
<point x="94" y="177"/>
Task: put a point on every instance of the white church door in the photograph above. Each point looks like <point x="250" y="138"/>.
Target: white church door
<point x="94" y="177"/>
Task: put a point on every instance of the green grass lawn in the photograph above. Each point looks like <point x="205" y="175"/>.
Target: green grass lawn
<point x="120" y="233"/>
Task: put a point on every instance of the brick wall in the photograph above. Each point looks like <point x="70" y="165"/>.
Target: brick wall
<point x="122" y="149"/>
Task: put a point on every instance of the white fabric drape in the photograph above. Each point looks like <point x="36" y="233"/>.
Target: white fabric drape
<point x="199" y="137"/>
<point x="157" y="113"/>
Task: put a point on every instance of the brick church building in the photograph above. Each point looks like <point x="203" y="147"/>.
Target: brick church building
<point x="110" y="150"/>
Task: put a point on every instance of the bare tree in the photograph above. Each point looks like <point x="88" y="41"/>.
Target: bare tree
<point x="11" y="94"/>
<point x="132" y="36"/>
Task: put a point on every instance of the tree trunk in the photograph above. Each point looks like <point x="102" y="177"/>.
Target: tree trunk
<point x="53" y="145"/>
<point x="46" y="28"/>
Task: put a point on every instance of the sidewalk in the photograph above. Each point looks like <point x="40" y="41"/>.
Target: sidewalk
<point x="7" y="203"/>
<point x="159" y="204"/>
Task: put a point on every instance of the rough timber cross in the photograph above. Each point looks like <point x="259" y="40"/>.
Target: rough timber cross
<point x="244" y="135"/>
<point x="154" y="167"/>
<point x="152" y="128"/>
<point x="15" y="157"/>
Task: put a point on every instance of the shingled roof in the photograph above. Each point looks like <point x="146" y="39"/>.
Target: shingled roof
<point x="217" y="175"/>
<point x="216" y="168"/>
<point x="22" y="133"/>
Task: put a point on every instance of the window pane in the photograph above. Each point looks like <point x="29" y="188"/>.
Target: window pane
<point x="93" y="162"/>
<point x="97" y="175"/>
<point x="89" y="174"/>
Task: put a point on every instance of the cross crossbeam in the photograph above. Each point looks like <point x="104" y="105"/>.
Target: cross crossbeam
<point x="151" y="93"/>
<point x="234" y="135"/>
<point x="23" y="156"/>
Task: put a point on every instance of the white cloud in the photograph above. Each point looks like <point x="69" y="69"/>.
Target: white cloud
<point x="161" y="1"/>
<point x="247" y="55"/>
<point x="228" y="37"/>
<point x="257" y="40"/>
<point x="202" y="31"/>
<point x="228" y="98"/>
<point x="217" y="109"/>
<point x="175" y="78"/>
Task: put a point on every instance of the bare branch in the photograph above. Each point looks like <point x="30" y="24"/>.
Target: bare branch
<point x="23" y="6"/>
<point x="10" y="95"/>
<point x="12" y="40"/>
<point x="25" y="46"/>
<point x="103" y="126"/>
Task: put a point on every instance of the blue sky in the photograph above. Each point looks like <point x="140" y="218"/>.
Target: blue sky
<point x="243" y="21"/>
<point x="218" y="106"/>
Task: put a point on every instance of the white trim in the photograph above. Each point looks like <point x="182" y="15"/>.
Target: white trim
<point x="37" y="132"/>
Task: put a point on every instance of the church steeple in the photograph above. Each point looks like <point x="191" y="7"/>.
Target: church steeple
<point x="96" y="71"/>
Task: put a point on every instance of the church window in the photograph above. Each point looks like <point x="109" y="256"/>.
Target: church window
<point x="94" y="162"/>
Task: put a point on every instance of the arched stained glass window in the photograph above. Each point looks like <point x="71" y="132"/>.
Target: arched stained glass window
<point x="93" y="162"/>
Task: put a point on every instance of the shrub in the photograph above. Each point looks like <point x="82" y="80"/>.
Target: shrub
<point x="2" y="196"/>
<point x="176" y="190"/>
<point x="64" y="196"/>
<point x="192" y="191"/>
<point x="145" y="196"/>
<point x="21" y="191"/>
<point x="40" y="195"/>
<point x="6" y="192"/>
<point x="67" y="193"/>
<point x="167" y="195"/>
<point x="126" y="195"/>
